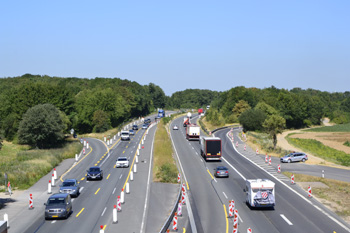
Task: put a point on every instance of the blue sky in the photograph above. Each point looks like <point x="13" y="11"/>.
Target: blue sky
<point x="178" y="45"/>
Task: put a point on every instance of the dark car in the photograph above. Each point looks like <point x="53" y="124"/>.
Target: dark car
<point x="58" y="205"/>
<point x="147" y="121"/>
<point x="135" y="127"/>
<point x="70" y="186"/>
<point x="94" y="173"/>
<point x="221" y="171"/>
<point x="294" y="157"/>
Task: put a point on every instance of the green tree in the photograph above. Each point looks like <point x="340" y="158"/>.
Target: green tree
<point x="274" y="125"/>
<point x="252" y="119"/>
<point x="101" y="121"/>
<point x="267" y="109"/>
<point x="41" y="127"/>
<point x="1" y="139"/>
<point x="157" y="95"/>
<point x="240" y="107"/>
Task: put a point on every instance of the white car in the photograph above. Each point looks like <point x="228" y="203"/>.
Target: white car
<point x="175" y="127"/>
<point x="122" y="162"/>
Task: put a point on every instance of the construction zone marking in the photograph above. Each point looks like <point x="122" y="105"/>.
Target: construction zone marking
<point x="108" y="176"/>
<point x="226" y="218"/>
<point x="97" y="191"/>
<point x="79" y="212"/>
<point x="210" y="174"/>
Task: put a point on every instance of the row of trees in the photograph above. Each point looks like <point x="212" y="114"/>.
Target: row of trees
<point x="273" y="109"/>
<point x="87" y="105"/>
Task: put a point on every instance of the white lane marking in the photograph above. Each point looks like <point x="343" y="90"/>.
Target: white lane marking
<point x="114" y="190"/>
<point x="196" y="153"/>
<point x="192" y="148"/>
<point x="81" y="189"/>
<point x="234" y="169"/>
<point x="73" y="200"/>
<point x="215" y="180"/>
<point x="224" y="194"/>
<point x="121" y="175"/>
<point x="103" y="211"/>
<point x="301" y="196"/>
<point x="286" y="219"/>
<point x="53" y="221"/>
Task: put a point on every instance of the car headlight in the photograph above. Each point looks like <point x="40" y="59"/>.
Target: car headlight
<point x="61" y="191"/>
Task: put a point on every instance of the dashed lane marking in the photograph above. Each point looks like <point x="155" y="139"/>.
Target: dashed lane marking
<point x="97" y="191"/>
<point x="108" y="176"/>
<point x="286" y="219"/>
<point x="79" y="212"/>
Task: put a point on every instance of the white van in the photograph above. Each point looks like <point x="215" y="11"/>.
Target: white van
<point x="125" y="135"/>
<point x="260" y="193"/>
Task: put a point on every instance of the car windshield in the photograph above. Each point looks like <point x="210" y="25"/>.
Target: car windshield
<point x="94" y="169"/>
<point x="55" y="201"/>
<point x="125" y="133"/>
<point x="122" y="159"/>
<point x="221" y="168"/>
<point x="68" y="183"/>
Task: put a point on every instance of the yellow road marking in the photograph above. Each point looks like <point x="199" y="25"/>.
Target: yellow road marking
<point x="95" y="164"/>
<point x="184" y="230"/>
<point x="127" y="146"/>
<point x="79" y="212"/>
<point x="123" y="152"/>
<point x="114" y="165"/>
<point x="210" y="174"/>
<point x="104" y="227"/>
<point x="226" y="218"/>
<point x="98" y="161"/>
<point x="82" y="178"/>
<point x="108" y="176"/>
<point x="97" y="191"/>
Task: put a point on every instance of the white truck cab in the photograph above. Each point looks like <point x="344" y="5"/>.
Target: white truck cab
<point x="125" y="135"/>
<point x="260" y="193"/>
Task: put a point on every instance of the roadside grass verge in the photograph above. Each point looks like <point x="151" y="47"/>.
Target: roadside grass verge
<point x="335" y="196"/>
<point x="25" y="167"/>
<point x="164" y="167"/>
<point x="334" y="128"/>
<point x="264" y="143"/>
<point x="318" y="149"/>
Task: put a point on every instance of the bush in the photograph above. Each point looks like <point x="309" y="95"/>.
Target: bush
<point x="252" y="120"/>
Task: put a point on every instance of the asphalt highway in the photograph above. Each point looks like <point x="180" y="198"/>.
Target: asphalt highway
<point x="294" y="211"/>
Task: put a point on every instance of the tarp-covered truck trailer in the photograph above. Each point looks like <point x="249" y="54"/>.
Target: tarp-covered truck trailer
<point x="211" y="148"/>
<point x="260" y="193"/>
<point x="193" y="132"/>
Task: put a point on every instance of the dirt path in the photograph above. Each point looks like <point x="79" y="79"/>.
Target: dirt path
<point x="283" y="143"/>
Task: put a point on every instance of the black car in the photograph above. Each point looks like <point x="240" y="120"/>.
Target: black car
<point x="94" y="173"/>
<point x="147" y="121"/>
<point x="135" y="127"/>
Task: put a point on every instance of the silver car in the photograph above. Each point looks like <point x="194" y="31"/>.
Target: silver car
<point x="221" y="171"/>
<point x="58" y="205"/>
<point x="70" y="186"/>
<point x="294" y="157"/>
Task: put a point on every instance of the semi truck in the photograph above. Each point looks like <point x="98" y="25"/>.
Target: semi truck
<point x="186" y="121"/>
<point x="211" y="148"/>
<point x="193" y="132"/>
<point x="260" y="193"/>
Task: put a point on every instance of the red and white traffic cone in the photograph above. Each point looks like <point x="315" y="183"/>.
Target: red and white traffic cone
<point x="101" y="229"/>
<point x="183" y="200"/>
<point x="119" y="204"/>
<point x="232" y="139"/>
<point x="292" y="179"/>
<point x="55" y="173"/>
<point x="236" y="144"/>
<point x="83" y="151"/>
<point x="84" y="142"/>
<point x="183" y="187"/>
<point x="178" y="178"/>
<point x="245" y="147"/>
<point x="179" y="209"/>
<point x="257" y="151"/>
<point x="309" y="191"/>
<point x="266" y="158"/>
<point x="122" y="197"/>
<point x="115" y="215"/>
<point x="235" y="222"/>
<point x="231" y="208"/>
<point x="49" y="187"/>
<point x="279" y="168"/>
<point x="87" y="145"/>
<point x="53" y="180"/>
<point x="175" y="222"/>
<point x="249" y="230"/>
<point x="31" y="204"/>
<point x="269" y="160"/>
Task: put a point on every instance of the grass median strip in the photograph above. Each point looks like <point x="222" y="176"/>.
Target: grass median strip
<point x="165" y="169"/>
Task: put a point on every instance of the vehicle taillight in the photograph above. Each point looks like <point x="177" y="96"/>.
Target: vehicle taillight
<point x="217" y="172"/>
<point x="226" y="172"/>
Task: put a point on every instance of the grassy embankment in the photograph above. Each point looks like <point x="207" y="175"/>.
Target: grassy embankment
<point x="334" y="128"/>
<point x="335" y="196"/>
<point x="164" y="167"/>
<point x="24" y="166"/>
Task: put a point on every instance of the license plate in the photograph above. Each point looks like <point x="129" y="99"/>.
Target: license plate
<point x="55" y="216"/>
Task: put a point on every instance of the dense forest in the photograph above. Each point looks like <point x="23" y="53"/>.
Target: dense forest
<point x="86" y="105"/>
<point x="300" y="108"/>
<point x="96" y="105"/>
